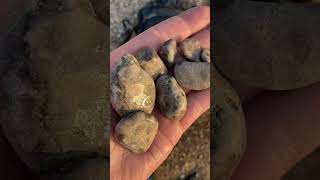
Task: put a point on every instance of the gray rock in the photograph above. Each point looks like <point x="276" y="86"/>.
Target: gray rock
<point x="229" y="130"/>
<point x="137" y="131"/>
<point x="168" y="51"/>
<point x="151" y="62"/>
<point x="205" y="55"/>
<point x="171" y="98"/>
<point x="193" y="75"/>
<point x="132" y="89"/>
<point x="191" y="49"/>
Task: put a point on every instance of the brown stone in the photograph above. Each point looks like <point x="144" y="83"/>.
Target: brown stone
<point x="171" y="98"/>
<point x="132" y="89"/>
<point x="137" y="131"/>
<point x="151" y="62"/>
<point x="191" y="49"/>
<point x="168" y="51"/>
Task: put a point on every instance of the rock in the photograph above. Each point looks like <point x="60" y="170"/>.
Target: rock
<point x="205" y="55"/>
<point x="187" y="4"/>
<point x="228" y="138"/>
<point x="191" y="49"/>
<point x="132" y="89"/>
<point x="101" y="8"/>
<point x="193" y="75"/>
<point x="57" y="83"/>
<point x="171" y="98"/>
<point x="137" y="131"/>
<point x="168" y="51"/>
<point x="151" y="62"/>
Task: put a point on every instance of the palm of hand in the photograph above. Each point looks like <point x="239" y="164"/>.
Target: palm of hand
<point x="127" y="165"/>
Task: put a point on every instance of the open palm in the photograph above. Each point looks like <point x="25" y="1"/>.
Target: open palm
<point x="127" y="165"/>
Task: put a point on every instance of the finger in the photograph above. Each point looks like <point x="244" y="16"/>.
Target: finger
<point x="178" y="27"/>
<point x="282" y="129"/>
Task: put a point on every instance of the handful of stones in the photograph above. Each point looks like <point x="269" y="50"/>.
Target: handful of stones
<point x="141" y="81"/>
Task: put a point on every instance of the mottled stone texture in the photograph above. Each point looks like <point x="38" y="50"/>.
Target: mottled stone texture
<point x="171" y="98"/>
<point x="132" y="89"/>
<point x="136" y="131"/>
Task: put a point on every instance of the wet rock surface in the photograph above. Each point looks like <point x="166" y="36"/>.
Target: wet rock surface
<point x="136" y="131"/>
<point x="193" y="75"/>
<point x="171" y="99"/>
<point x="132" y="89"/>
<point x="191" y="49"/>
<point x="151" y="62"/>
<point x="168" y="51"/>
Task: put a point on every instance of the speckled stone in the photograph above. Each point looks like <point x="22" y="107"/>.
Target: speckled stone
<point x="205" y="55"/>
<point x="171" y="99"/>
<point x="191" y="49"/>
<point x="193" y="75"/>
<point x="132" y="89"/>
<point x="229" y="130"/>
<point x="151" y="62"/>
<point x="168" y="51"/>
<point x="137" y="131"/>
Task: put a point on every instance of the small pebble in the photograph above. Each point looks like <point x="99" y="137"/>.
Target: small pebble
<point x="151" y="62"/>
<point x="132" y="89"/>
<point x="205" y="55"/>
<point x="193" y="75"/>
<point x="191" y="49"/>
<point x="168" y="51"/>
<point x="137" y="131"/>
<point x="171" y="98"/>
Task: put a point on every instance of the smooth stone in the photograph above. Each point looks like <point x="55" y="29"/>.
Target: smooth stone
<point x="151" y="62"/>
<point x="193" y="75"/>
<point x="191" y="49"/>
<point x="132" y="89"/>
<point x="205" y="55"/>
<point x="137" y="131"/>
<point x="168" y="51"/>
<point x="228" y="138"/>
<point x="171" y="98"/>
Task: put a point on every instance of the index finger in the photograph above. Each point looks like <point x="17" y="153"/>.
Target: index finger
<point x="177" y="27"/>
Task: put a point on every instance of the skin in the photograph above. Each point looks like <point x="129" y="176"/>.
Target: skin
<point x="124" y="163"/>
<point x="285" y="113"/>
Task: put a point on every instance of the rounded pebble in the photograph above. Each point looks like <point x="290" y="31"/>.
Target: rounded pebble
<point x="151" y="62"/>
<point x="137" y="131"/>
<point x="171" y="98"/>
<point x="168" y="51"/>
<point x="205" y="55"/>
<point x="229" y="130"/>
<point x="132" y="89"/>
<point x="191" y="49"/>
<point x="193" y="75"/>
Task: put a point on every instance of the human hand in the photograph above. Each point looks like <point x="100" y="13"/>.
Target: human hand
<point x="123" y="163"/>
<point x="282" y="128"/>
